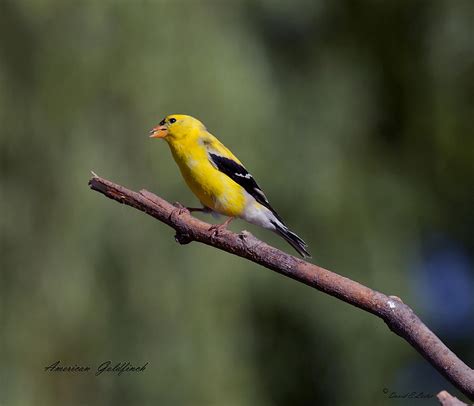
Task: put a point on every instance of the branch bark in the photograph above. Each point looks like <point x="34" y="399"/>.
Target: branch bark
<point x="398" y="316"/>
<point x="447" y="400"/>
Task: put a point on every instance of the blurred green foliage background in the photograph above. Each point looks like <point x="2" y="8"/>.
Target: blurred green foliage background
<point x="356" y="117"/>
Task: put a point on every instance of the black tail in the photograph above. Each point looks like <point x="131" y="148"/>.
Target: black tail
<point x="296" y="242"/>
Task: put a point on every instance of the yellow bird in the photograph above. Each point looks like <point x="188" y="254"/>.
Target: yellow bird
<point x="219" y="179"/>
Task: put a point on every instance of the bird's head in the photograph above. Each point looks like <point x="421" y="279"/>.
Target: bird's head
<point x="176" y="126"/>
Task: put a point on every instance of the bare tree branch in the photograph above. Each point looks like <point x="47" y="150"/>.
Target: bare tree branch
<point x="447" y="400"/>
<point x="398" y="316"/>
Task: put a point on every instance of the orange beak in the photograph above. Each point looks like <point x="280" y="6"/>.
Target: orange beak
<point x="159" y="132"/>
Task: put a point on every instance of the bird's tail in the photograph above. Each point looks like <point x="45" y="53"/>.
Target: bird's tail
<point x="296" y="242"/>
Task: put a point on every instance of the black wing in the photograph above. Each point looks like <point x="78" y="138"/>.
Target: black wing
<point x="241" y="176"/>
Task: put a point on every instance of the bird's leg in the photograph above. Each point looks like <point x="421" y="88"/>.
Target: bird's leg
<point x="180" y="209"/>
<point x="216" y="228"/>
<point x="201" y="209"/>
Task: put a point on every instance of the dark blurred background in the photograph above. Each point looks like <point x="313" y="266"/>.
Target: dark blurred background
<point x="356" y="117"/>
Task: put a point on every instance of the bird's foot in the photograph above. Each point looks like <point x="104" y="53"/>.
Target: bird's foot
<point x="180" y="209"/>
<point x="218" y="228"/>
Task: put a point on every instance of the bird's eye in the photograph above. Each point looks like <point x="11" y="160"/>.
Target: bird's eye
<point x="162" y="122"/>
<point x="172" y="120"/>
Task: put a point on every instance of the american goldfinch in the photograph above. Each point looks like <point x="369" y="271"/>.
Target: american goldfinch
<point x="218" y="178"/>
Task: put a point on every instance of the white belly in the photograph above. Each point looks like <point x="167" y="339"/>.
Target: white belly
<point x="257" y="214"/>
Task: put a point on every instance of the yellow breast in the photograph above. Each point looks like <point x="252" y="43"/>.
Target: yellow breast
<point x="213" y="188"/>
